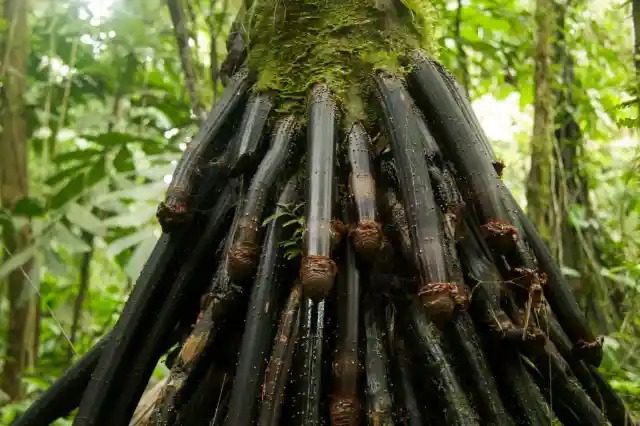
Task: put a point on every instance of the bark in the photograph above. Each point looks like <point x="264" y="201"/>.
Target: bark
<point x="539" y="189"/>
<point x="23" y="315"/>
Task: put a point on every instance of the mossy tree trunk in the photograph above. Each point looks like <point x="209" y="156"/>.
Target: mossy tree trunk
<point x="576" y="248"/>
<point x="23" y="301"/>
<point x="539" y="185"/>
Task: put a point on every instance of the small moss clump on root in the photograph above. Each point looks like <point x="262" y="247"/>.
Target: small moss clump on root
<point x="296" y="44"/>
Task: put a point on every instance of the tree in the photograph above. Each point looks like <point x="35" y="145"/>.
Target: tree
<point x="541" y="204"/>
<point x="362" y="71"/>
<point x="22" y="339"/>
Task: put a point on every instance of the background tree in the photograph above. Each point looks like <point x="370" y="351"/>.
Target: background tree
<point x="23" y="316"/>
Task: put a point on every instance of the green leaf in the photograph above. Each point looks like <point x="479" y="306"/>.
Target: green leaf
<point x="29" y="206"/>
<point x="130" y="240"/>
<point x="17" y="260"/>
<point x="84" y="155"/>
<point x="69" y="240"/>
<point x="66" y="172"/>
<point x="114" y="139"/>
<point x="83" y="217"/>
<point x="123" y="161"/>
<point x="139" y="257"/>
<point x="96" y="173"/>
<point x="68" y="192"/>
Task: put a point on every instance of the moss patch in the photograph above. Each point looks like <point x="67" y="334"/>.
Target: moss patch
<point x="294" y="44"/>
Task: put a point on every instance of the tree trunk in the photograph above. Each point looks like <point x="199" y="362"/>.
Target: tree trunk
<point x="539" y="184"/>
<point x="635" y="7"/>
<point x="23" y="301"/>
<point x="576" y="249"/>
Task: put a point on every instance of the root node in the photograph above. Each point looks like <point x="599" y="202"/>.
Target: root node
<point x="367" y="238"/>
<point x="243" y="258"/>
<point x="441" y="300"/>
<point x="500" y="236"/>
<point x="317" y="274"/>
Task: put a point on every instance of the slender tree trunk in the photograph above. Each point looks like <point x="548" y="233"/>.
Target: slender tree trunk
<point x="186" y="59"/>
<point x="635" y="7"/>
<point x="576" y="248"/>
<point x="539" y="183"/>
<point x="463" y="62"/>
<point x="23" y="301"/>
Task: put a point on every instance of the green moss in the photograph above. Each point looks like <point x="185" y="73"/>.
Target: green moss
<point x="294" y="44"/>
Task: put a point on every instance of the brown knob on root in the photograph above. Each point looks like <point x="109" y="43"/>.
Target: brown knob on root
<point x="500" y="236"/>
<point x="172" y="214"/>
<point x="344" y="412"/>
<point x="367" y="238"/>
<point x="442" y="299"/>
<point x="317" y="274"/>
<point x="590" y="352"/>
<point x="243" y="258"/>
